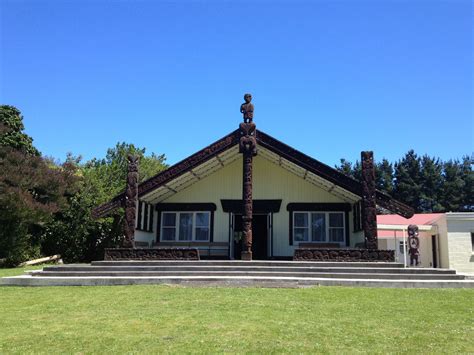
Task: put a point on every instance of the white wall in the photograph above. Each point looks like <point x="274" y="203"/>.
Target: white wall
<point x="461" y="256"/>
<point x="443" y="242"/>
<point x="148" y="237"/>
<point x="270" y="181"/>
<point x="426" y="252"/>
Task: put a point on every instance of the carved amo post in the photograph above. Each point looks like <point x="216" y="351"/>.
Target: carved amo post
<point x="248" y="147"/>
<point x="369" y="209"/>
<point x="131" y="201"/>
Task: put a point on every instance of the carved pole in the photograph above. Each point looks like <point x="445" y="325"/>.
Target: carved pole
<point x="369" y="209"/>
<point x="131" y="201"/>
<point x="248" y="147"/>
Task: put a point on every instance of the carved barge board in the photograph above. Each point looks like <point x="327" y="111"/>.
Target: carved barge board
<point x="265" y="140"/>
<point x="344" y="255"/>
<point x="151" y="254"/>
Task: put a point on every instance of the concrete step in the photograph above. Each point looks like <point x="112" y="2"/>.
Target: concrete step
<point x="391" y="276"/>
<point x="247" y="268"/>
<point x="240" y="281"/>
<point x="245" y="263"/>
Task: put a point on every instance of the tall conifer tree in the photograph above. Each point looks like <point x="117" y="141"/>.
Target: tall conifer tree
<point x="431" y="185"/>
<point x="384" y="176"/>
<point x="407" y="186"/>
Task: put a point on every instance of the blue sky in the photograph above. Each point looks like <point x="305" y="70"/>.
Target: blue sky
<point x="330" y="78"/>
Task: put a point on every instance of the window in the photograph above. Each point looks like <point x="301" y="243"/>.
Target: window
<point x="472" y="241"/>
<point x="401" y="249"/>
<point x="319" y="227"/>
<point x="145" y="217"/>
<point x="185" y="226"/>
<point x="336" y="227"/>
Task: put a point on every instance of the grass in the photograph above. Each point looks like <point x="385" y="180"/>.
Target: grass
<point x="19" y="270"/>
<point x="121" y="319"/>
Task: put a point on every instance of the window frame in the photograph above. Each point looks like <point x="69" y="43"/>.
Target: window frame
<point x="194" y="227"/>
<point x="327" y="227"/>
<point x="145" y="217"/>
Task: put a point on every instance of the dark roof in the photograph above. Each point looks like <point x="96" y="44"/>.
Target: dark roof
<point x="324" y="171"/>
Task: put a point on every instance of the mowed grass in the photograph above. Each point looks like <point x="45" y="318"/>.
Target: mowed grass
<point x="19" y="270"/>
<point x="121" y="319"/>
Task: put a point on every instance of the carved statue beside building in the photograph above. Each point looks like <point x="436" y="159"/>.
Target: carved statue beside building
<point x="414" y="245"/>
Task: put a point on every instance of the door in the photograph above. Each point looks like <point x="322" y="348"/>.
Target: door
<point x="434" y="251"/>
<point x="259" y="236"/>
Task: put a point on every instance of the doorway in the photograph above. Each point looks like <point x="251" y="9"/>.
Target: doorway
<point x="259" y="236"/>
<point x="434" y="251"/>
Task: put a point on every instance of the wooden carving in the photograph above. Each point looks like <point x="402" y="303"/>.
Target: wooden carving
<point x="369" y="210"/>
<point x="343" y="255"/>
<point x="247" y="108"/>
<point x="414" y="245"/>
<point x="131" y="200"/>
<point x="248" y="147"/>
<point x="151" y="254"/>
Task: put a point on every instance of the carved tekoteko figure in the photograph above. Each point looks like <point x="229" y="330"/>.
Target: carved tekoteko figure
<point x="414" y="245"/>
<point x="247" y="108"/>
<point x="131" y="200"/>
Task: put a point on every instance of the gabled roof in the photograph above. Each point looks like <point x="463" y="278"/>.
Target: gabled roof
<point x="225" y="150"/>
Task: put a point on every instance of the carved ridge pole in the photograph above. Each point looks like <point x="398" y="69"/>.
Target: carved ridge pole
<point x="248" y="147"/>
<point x="131" y="201"/>
<point x="369" y="208"/>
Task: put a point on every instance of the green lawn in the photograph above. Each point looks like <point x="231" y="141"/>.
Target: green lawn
<point x="122" y="319"/>
<point x="19" y="270"/>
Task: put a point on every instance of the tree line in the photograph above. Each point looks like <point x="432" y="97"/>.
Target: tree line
<point x="424" y="183"/>
<point x="45" y="205"/>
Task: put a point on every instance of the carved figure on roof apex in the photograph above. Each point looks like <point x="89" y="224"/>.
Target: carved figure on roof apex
<point x="247" y="108"/>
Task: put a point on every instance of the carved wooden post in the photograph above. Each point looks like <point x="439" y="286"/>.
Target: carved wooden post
<point x="414" y="245"/>
<point x="248" y="147"/>
<point x="369" y="209"/>
<point x="131" y="201"/>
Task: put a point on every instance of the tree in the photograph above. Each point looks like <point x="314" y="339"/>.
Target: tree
<point x="407" y="186"/>
<point x="427" y="184"/>
<point x="354" y="171"/>
<point x="453" y="186"/>
<point x="468" y="177"/>
<point x="11" y="131"/>
<point x="111" y="172"/>
<point x="345" y="167"/>
<point x="73" y="232"/>
<point x="384" y="176"/>
<point x="32" y="189"/>
<point x="431" y="186"/>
